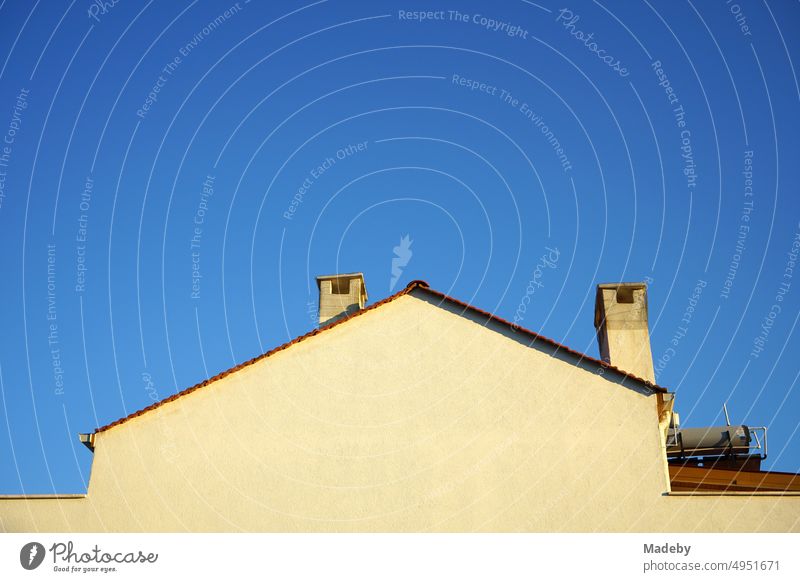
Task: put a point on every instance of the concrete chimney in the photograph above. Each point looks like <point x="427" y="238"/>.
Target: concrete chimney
<point x="620" y="317"/>
<point x="340" y="295"/>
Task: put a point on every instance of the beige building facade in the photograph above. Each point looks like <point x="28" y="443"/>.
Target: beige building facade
<point x="418" y="413"/>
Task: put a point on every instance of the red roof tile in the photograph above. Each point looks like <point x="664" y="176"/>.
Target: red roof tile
<point x="416" y="284"/>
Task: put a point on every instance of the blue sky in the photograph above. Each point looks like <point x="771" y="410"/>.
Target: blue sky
<point x="175" y="174"/>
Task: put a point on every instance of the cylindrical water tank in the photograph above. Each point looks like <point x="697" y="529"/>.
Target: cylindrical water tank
<point x="714" y="440"/>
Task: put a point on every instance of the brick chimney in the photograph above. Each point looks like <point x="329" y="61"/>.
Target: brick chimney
<point x="620" y="317"/>
<point x="340" y="295"/>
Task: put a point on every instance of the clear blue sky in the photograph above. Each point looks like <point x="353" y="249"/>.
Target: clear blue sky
<point x="643" y="141"/>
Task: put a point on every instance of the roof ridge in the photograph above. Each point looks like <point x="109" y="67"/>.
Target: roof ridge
<point x="415" y="284"/>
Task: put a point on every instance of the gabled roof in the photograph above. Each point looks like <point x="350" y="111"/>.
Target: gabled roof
<point x="413" y="285"/>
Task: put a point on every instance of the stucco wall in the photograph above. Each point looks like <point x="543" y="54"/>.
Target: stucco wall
<point x="408" y="418"/>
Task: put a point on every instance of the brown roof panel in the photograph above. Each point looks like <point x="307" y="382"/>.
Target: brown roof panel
<point x="701" y="479"/>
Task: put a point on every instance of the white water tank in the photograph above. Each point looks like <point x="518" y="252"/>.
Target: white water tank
<point x="713" y="440"/>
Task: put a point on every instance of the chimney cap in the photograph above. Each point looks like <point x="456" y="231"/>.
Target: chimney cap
<point x="346" y="277"/>
<point x="340" y="276"/>
<point x="599" y="304"/>
<point x="641" y="285"/>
